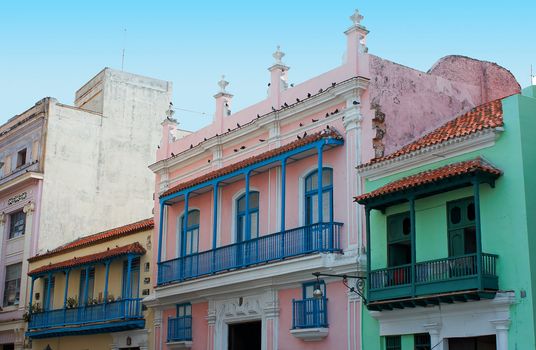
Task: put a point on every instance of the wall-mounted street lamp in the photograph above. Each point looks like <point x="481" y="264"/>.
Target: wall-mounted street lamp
<point x="358" y="288"/>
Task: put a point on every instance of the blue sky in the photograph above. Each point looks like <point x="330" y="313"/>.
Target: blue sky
<point x="51" y="48"/>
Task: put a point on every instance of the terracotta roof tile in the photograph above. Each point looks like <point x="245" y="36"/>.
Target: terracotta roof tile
<point x="134" y="248"/>
<point x="97" y="238"/>
<point x="486" y="116"/>
<point x="324" y="134"/>
<point x="430" y="176"/>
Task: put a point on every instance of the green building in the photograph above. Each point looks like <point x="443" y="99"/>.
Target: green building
<point x="451" y="235"/>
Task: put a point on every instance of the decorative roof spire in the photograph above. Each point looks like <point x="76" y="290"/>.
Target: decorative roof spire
<point x="356" y="18"/>
<point x="170" y="112"/>
<point x="278" y="55"/>
<point x="223" y="84"/>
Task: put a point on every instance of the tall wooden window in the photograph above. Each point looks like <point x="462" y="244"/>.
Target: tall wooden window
<point x="393" y="342"/>
<point x="399" y="239"/>
<point x="189" y="238"/>
<point x="12" y="284"/>
<point x="461" y="227"/>
<point x="253" y="212"/>
<point x="422" y="341"/>
<point x="311" y="196"/>
<point x="90" y="286"/>
<point x="134" y="278"/>
<point x="17" y="224"/>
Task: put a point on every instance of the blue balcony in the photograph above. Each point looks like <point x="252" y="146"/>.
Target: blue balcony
<point x="179" y="329"/>
<point x="100" y="318"/>
<point x="310" y="313"/>
<point x="316" y="238"/>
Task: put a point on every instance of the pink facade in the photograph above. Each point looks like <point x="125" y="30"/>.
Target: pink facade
<point x="263" y="289"/>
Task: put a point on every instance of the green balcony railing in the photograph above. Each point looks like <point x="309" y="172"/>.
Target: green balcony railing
<point x="434" y="276"/>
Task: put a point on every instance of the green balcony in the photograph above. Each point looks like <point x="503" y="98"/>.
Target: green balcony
<point x="441" y="280"/>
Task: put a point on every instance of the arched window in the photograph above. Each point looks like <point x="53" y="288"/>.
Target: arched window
<point x="311" y="196"/>
<point x="189" y="236"/>
<point x="253" y="212"/>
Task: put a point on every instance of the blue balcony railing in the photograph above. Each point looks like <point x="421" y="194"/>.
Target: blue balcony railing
<point x="316" y="238"/>
<point x="179" y="329"/>
<point x="126" y="309"/>
<point x="310" y="313"/>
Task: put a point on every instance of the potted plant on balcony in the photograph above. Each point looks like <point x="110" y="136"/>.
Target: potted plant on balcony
<point x="72" y="302"/>
<point x="34" y="308"/>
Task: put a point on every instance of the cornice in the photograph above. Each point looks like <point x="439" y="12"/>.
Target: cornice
<point x="263" y="123"/>
<point x="451" y="148"/>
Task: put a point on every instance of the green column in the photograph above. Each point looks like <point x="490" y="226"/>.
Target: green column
<point x="412" y="236"/>
<point x="476" y="193"/>
<point x="367" y="229"/>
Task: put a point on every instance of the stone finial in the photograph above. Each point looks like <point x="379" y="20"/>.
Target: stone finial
<point x="278" y="55"/>
<point x="356" y="18"/>
<point x="170" y="112"/>
<point x="223" y="84"/>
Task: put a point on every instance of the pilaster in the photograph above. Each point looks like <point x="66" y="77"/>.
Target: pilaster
<point x="28" y="209"/>
<point x="501" y="331"/>
<point x="434" y="329"/>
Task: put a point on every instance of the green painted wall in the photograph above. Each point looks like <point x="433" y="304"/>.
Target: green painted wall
<point x="508" y="217"/>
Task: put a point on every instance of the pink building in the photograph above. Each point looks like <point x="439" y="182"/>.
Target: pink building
<point x="268" y="191"/>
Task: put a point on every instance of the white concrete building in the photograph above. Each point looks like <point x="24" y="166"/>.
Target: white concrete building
<point x="69" y="171"/>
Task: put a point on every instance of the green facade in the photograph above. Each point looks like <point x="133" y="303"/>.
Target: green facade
<point x="507" y="216"/>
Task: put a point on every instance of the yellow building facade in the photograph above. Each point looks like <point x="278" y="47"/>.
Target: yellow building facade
<point x="86" y="294"/>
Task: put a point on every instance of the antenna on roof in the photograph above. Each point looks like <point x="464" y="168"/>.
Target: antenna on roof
<point x="124" y="44"/>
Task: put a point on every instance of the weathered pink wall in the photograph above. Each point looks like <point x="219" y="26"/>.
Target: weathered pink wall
<point x="337" y="319"/>
<point x="199" y="326"/>
<point x="415" y="102"/>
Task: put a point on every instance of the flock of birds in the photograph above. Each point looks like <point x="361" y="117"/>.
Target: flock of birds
<point x="283" y="106"/>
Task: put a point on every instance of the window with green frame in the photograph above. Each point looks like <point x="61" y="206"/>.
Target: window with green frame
<point x="422" y="341"/>
<point x="393" y="342"/>
<point x="461" y="227"/>
<point x="398" y="239"/>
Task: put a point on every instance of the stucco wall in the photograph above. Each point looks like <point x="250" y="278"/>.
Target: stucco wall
<point x="96" y="165"/>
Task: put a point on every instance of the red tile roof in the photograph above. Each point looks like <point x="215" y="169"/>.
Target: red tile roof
<point x="486" y="116"/>
<point x="431" y="176"/>
<point x="324" y="134"/>
<point x="134" y="248"/>
<point x="97" y="238"/>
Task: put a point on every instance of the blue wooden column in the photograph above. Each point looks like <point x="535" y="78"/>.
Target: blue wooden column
<point x="319" y="178"/>
<point x="67" y="273"/>
<point x="185" y="217"/>
<point x="31" y="293"/>
<point x="160" y="231"/>
<point x="413" y="242"/>
<point x="47" y="299"/>
<point x="215" y="216"/>
<point x="476" y="194"/>
<point x="247" y="234"/>
<point x="283" y="191"/>
<point x="283" y="200"/>
<point x="86" y="287"/>
<point x="106" y="274"/>
<point x="129" y="276"/>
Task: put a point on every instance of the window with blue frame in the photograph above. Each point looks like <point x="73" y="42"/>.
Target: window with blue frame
<point x="50" y="305"/>
<point x="241" y="214"/>
<point x="180" y="327"/>
<point x="90" y="284"/>
<point x="134" y="278"/>
<point x="311" y="196"/>
<point x="422" y="341"/>
<point x="189" y="236"/>
<point x="313" y="311"/>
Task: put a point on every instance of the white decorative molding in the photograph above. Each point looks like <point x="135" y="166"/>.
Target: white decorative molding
<point x="310" y="334"/>
<point x="243" y="308"/>
<point x="29" y="208"/>
<point x="306" y="107"/>
<point x="451" y="148"/>
<point x="179" y="345"/>
<point x="466" y="319"/>
<point x="281" y="274"/>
